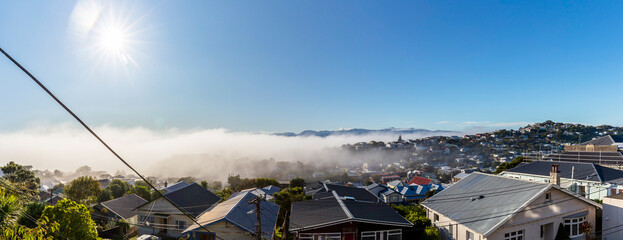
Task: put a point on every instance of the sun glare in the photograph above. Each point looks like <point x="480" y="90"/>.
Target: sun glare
<point x="108" y="33"/>
<point x="113" y="40"/>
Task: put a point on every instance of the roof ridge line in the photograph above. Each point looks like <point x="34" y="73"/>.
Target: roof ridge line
<point x="344" y="208"/>
<point x="597" y="172"/>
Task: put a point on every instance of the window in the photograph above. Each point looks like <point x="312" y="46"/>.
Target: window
<point x="382" y="235"/>
<point x="180" y="224"/>
<point x="470" y="235"/>
<point x="517" y="235"/>
<point x="572" y="225"/>
<point x="320" y="236"/>
<point x="451" y="230"/>
<point x="548" y="197"/>
<point x="436" y="218"/>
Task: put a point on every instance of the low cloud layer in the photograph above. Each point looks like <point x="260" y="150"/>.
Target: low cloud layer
<point x="172" y="152"/>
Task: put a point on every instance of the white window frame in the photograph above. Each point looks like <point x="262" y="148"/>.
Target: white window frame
<point x="470" y="235"/>
<point x="573" y="224"/>
<point x="320" y="236"/>
<point x="516" y="235"/>
<point x="179" y="224"/>
<point x="381" y="235"/>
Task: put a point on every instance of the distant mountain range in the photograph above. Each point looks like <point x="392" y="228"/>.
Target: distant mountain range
<point x="360" y="131"/>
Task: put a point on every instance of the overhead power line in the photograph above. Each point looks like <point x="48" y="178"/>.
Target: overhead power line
<point x="100" y="139"/>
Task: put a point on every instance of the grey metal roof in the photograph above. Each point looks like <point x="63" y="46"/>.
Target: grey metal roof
<point x="604" y="140"/>
<point x="583" y="171"/>
<point x="501" y="198"/>
<point x="361" y="194"/>
<point x="336" y="210"/>
<point x="590" y="157"/>
<point x="240" y="212"/>
<point x="193" y="198"/>
<point x="124" y="206"/>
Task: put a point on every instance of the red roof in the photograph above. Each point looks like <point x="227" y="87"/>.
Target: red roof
<point x="420" y="180"/>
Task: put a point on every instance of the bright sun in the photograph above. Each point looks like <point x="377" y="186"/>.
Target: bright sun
<point x="113" y="40"/>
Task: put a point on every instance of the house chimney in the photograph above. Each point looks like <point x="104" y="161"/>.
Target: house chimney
<point x="554" y="175"/>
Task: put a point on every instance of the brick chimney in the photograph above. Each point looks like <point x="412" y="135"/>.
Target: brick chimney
<point x="554" y="175"/>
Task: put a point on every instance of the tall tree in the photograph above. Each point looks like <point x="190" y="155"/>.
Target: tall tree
<point x="83" y="190"/>
<point x="284" y="199"/>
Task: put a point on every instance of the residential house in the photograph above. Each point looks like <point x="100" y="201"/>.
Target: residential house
<point x="419" y="180"/>
<point x="266" y="192"/>
<point x="605" y="150"/>
<point x="235" y="218"/>
<point x="386" y="179"/>
<point x="160" y="216"/>
<point x="414" y="193"/>
<point x="349" y="192"/>
<point x="385" y="193"/>
<point x="459" y="176"/>
<point x="484" y="206"/>
<point x="334" y="216"/>
<point x="587" y="179"/>
<point x="396" y="183"/>
<point x="49" y="197"/>
<point x="612" y="217"/>
<point x="119" y="208"/>
<point x="174" y="187"/>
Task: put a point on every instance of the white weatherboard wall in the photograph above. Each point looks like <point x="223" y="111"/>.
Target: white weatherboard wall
<point x="612" y="219"/>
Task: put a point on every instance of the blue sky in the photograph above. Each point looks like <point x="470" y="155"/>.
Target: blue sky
<point x="293" y="65"/>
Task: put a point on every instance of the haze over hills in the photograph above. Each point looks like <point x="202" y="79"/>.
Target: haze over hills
<point x="361" y="131"/>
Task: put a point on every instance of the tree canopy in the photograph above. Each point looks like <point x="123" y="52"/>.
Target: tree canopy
<point x="83" y="190"/>
<point x="20" y="176"/>
<point x="74" y="219"/>
<point x="505" y="166"/>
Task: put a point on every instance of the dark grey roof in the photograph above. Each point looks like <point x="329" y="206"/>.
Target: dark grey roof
<point x="604" y="140"/>
<point x="176" y="186"/>
<point x="613" y="158"/>
<point x="238" y="211"/>
<point x="456" y="203"/>
<point x="193" y="198"/>
<point x="335" y="210"/>
<point x="361" y="194"/>
<point x="124" y="206"/>
<point x="583" y="171"/>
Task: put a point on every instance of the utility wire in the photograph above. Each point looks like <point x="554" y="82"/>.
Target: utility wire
<point x="101" y="141"/>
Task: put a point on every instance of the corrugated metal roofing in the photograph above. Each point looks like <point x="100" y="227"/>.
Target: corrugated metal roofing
<point x="193" y="198"/>
<point x="238" y="211"/>
<point x="501" y="198"/>
<point x="583" y="171"/>
<point x="334" y="210"/>
<point x="124" y="206"/>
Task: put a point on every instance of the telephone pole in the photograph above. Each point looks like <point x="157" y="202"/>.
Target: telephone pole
<point x="258" y="226"/>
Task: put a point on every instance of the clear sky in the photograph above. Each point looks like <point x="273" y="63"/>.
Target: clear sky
<point x="294" y="65"/>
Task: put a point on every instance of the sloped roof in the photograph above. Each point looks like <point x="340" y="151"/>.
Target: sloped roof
<point x="176" y="186"/>
<point x="494" y="208"/>
<point x="461" y="175"/>
<point x="419" y="180"/>
<point x="334" y="210"/>
<point x="123" y="206"/>
<point x="590" y="157"/>
<point x="239" y="212"/>
<point x="604" y="140"/>
<point x="270" y="190"/>
<point x="361" y="194"/>
<point x="583" y="171"/>
<point x="194" y="199"/>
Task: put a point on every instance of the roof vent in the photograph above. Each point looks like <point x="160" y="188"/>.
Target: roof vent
<point x="481" y="197"/>
<point x="350" y="198"/>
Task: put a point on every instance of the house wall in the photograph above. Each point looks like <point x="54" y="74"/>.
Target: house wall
<point x="227" y="231"/>
<point x="161" y="206"/>
<point x="530" y="220"/>
<point x="612" y="219"/>
<point x="594" y="190"/>
<point x="542" y="212"/>
<point x="458" y="230"/>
